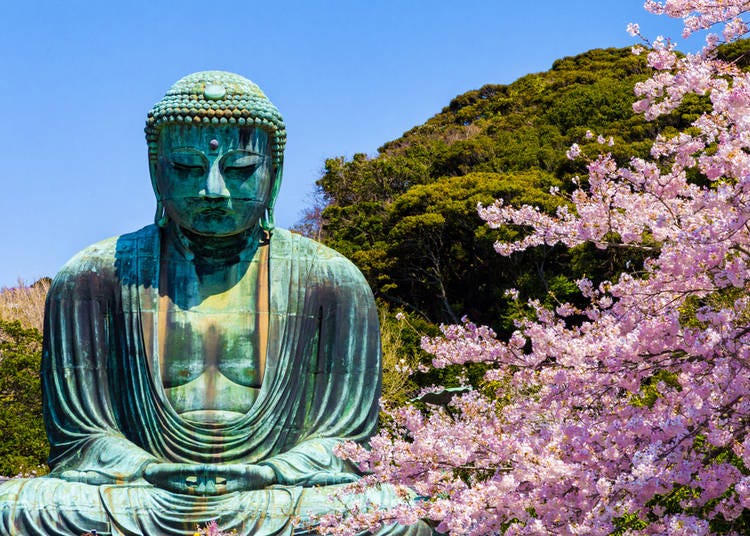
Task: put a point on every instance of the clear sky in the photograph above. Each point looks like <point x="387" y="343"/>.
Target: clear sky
<point x="78" y="78"/>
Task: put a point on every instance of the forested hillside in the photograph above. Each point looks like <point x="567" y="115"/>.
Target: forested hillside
<point x="407" y="216"/>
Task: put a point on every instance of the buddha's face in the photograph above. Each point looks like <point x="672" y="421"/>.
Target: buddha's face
<point x="214" y="181"/>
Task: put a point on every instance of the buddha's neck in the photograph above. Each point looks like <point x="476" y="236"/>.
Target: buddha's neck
<point x="215" y="251"/>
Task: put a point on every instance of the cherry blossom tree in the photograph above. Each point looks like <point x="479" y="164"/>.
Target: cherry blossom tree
<point x="630" y="414"/>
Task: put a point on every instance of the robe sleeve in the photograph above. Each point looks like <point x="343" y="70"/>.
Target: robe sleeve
<point x="85" y="443"/>
<point x="342" y="384"/>
<point x="311" y="463"/>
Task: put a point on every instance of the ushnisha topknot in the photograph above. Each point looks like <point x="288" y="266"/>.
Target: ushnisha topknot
<point x="217" y="98"/>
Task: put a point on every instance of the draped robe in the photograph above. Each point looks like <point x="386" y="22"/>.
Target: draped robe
<point x="107" y="415"/>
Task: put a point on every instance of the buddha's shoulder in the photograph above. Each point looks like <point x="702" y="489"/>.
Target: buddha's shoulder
<point x="102" y="260"/>
<point x="314" y="254"/>
<point x="286" y="243"/>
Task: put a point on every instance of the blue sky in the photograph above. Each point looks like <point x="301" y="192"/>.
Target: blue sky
<point x="78" y="78"/>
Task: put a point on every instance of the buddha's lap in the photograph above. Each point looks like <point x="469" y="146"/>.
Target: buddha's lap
<point x="45" y="505"/>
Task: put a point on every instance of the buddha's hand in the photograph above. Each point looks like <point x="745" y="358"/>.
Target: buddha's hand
<point x="207" y="479"/>
<point x="323" y="478"/>
<point x="93" y="478"/>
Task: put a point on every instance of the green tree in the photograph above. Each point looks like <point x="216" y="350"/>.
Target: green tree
<point x="24" y="447"/>
<point x="407" y="216"/>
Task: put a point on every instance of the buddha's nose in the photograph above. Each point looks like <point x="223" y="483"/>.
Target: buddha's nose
<point x="215" y="186"/>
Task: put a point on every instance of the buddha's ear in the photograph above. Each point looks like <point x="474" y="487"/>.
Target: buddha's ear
<point x="160" y="217"/>
<point x="267" y="221"/>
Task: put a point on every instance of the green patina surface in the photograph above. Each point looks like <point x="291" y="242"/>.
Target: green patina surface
<point x="203" y="368"/>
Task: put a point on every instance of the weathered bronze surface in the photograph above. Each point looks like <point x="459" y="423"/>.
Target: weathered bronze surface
<point x="203" y="368"/>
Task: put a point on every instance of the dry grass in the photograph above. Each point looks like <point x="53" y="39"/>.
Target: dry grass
<point x="399" y="361"/>
<point x="25" y="303"/>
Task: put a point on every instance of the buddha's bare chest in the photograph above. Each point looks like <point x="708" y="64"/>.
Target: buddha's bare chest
<point x="197" y="342"/>
<point x="210" y="350"/>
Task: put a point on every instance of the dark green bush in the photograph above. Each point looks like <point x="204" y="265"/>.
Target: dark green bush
<point x="24" y="446"/>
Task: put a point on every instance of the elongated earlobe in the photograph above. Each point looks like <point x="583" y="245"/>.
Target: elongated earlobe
<point x="266" y="220"/>
<point x="160" y="218"/>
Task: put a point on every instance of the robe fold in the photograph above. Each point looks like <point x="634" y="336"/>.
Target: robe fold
<point x="107" y="415"/>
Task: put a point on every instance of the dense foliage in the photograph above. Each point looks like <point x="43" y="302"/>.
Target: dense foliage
<point x="24" y="446"/>
<point x="407" y="217"/>
<point x="626" y="412"/>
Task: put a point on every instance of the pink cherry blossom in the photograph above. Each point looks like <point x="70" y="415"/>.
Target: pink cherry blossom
<point x="581" y="424"/>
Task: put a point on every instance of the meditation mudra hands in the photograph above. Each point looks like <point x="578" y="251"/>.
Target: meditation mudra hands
<point x="208" y="479"/>
<point x="212" y="479"/>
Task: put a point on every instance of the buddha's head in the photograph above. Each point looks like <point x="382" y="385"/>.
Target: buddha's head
<point x="216" y="149"/>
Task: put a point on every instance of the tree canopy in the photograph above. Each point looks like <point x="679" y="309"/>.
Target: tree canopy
<point x="407" y="216"/>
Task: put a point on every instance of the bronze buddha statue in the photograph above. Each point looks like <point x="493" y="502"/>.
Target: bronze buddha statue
<point x="202" y="368"/>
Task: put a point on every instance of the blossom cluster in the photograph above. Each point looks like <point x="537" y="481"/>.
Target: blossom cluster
<point x="634" y="417"/>
<point x="212" y="529"/>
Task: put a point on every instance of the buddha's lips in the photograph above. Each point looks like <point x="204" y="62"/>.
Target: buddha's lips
<point x="215" y="211"/>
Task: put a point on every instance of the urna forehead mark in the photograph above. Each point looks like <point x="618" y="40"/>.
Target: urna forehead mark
<point x="214" y="139"/>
